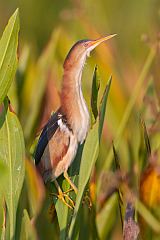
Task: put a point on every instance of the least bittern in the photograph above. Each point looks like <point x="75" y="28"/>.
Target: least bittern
<point x="67" y="127"/>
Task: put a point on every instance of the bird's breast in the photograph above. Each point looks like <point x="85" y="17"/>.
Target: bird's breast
<point x="84" y="121"/>
<point x="78" y="119"/>
<point x="73" y="105"/>
<point x="84" y="118"/>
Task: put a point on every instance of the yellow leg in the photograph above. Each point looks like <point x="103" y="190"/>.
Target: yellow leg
<point x="70" y="182"/>
<point x="62" y="195"/>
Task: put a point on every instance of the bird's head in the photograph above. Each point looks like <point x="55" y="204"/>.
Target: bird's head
<point x="81" y="50"/>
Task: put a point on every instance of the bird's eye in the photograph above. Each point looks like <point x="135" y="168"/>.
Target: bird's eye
<point x="86" y="44"/>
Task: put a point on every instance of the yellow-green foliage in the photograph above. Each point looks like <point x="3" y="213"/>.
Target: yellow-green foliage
<point x="117" y="168"/>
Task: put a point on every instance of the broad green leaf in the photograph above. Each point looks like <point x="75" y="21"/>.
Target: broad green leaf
<point x="12" y="154"/>
<point x="62" y="214"/>
<point x="89" y="156"/>
<point x="8" y="54"/>
<point x="27" y="230"/>
<point x="3" y="173"/>
<point x="94" y="96"/>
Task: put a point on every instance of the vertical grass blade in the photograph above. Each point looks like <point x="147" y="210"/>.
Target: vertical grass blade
<point x="103" y="104"/>
<point x="106" y="217"/>
<point x="94" y="97"/>
<point x="12" y="153"/>
<point x="130" y="105"/>
<point x="146" y="138"/>
<point x="153" y="222"/>
<point x="8" y="54"/>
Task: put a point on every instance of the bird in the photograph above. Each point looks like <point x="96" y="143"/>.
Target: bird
<point x="67" y="128"/>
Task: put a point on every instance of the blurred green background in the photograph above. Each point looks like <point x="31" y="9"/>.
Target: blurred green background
<point x="128" y="19"/>
<point x="48" y="29"/>
<point x="135" y="22"/>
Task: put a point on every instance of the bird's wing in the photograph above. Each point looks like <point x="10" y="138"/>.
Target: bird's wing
<point x="56" y="149"/>
<point x="47" y="133"/>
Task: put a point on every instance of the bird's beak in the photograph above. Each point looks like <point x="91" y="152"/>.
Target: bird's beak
<point x="94" y="43"/>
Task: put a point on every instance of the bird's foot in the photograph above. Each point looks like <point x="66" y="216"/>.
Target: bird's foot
<point x="69" y="190"/>
<point x="63" y="196"/>
<point x="65" y="199"/>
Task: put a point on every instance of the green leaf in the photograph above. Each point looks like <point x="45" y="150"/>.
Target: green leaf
<point x="62" y="214"/>
<point x="8" y="54"/>
<point x="89" y="156"/>
<point x="36" y="188"/>
<point x="103" y="104"/>
<point x="3" y="179"/>
<point x="12" y="153"/>
<point x="153" y="222"/>
<point x="106" y="217"/>
<point x="3" y="173"/>
<point x="146" y="138"/>
<point x="119" y="192"/>
<point x="27" y="229"/>
<point x="94" y="97"/>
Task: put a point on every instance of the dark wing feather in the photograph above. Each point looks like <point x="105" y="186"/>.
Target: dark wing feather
<point x="47" y="133"/>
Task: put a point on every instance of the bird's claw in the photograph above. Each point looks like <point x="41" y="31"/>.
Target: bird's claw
<point x="65" y="198"/>
<point x="69" y="200"/>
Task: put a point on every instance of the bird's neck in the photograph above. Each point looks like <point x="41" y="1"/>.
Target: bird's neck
<point x="73" y="105"/>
